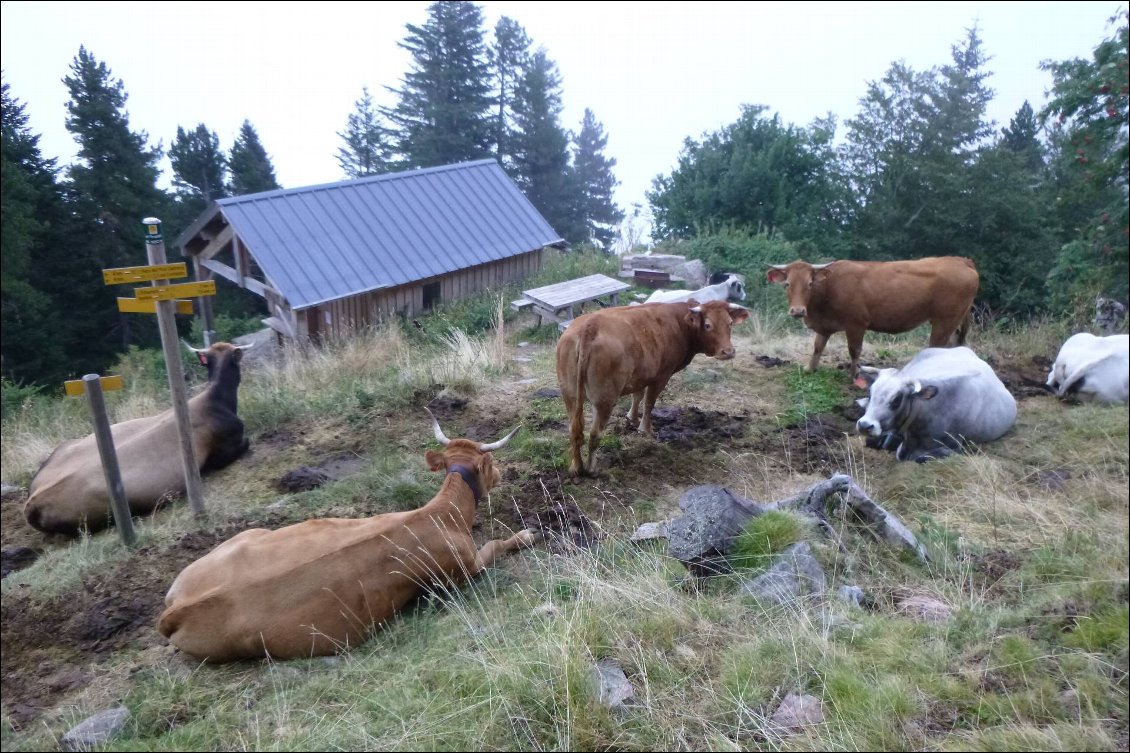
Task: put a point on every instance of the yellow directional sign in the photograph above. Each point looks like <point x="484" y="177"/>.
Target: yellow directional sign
<point x="144" y="274"/>
<point x="169" y="292"/>
<point x="149" y="306"/>
<point x="78" y="387"/>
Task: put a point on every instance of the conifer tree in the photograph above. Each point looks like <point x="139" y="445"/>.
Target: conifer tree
<point x="595" y="182"/>
<point x="30" y="212"/>
<point x="114" y="186"/>
<point x="510" y="56"/>
<point x="541" y="149"/>
<point x="198" y="164"/>
<point x="250" y="167"/>
<point x="366" y="150"/>
<point x="444" y="110"/>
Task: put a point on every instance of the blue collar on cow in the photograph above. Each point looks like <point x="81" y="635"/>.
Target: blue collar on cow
<point x="469" y="477"/>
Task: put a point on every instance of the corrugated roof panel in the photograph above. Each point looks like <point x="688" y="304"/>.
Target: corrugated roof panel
<point x="331" y="241"/>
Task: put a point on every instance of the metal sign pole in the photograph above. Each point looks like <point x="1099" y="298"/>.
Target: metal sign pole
<point x="155" y="247"/>
<point x="123" y="521"/>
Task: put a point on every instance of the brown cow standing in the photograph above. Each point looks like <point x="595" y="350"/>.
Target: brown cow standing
<point x="68" y="493"/>
<point x="883" y="296"/>
<point x="318" y="587"/>
<point x="634" y="350"/>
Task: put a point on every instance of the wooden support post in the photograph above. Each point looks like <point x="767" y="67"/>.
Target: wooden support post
<point x="205" y="303"/>
<point x="123" y="521"/>
<point x="155" y="247"/>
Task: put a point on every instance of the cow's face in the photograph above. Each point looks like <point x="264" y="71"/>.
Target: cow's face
<point x="891" y="401"/>
<point x="468" y="454"/>
<point x="736" y="290"/>
<point x="713" y="322"/>
<point x="800" y="279"/>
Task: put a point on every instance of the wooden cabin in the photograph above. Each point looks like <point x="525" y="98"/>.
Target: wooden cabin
<point x="334" y="257"/>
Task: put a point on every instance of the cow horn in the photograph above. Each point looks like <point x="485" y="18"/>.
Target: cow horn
<point x="821" y="266"/>
<point x="194" y="350"/>
<point x="781" y="267"/>
<point x="500" y="443"/>
<point x="249" y="346"/>
<point x="734" y="306"/>
<point x="697" y="309"/>
<point x="440" y="436"/>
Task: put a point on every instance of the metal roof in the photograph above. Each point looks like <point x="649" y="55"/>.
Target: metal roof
<point x="324" y="242"/>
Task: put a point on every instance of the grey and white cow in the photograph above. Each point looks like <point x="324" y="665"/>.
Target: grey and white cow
<point x="1092" y="368"/>
<point x="942" y="399"/>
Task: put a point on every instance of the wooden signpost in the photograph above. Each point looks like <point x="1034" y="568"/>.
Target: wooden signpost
<point x="93" y="385"/>
<point x="163" y="299"/>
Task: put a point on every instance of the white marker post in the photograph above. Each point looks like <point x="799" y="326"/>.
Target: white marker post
<point x="91" y="384"/>
<point x="155" y="247"/>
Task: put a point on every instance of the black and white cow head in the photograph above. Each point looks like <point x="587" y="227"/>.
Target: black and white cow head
<point x="892" y="402"/>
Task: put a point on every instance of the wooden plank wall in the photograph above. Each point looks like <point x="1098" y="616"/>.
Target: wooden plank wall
<point x="338" y="317"/>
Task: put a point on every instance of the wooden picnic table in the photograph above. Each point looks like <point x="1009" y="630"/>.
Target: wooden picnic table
<point x="562" y="301"/>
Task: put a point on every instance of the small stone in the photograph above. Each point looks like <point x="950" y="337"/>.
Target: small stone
<point x="96" y="730"/>
<point x="796" y="712"/>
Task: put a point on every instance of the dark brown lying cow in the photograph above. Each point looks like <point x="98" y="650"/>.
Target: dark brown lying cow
<point x="634" y="350"/>
<point x="319" y="587"/>
<point x="68" y="493"/>
<point x="882" y="296"/>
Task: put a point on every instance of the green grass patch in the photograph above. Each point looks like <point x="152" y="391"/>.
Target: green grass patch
<point x="764" y="537"/>
<point x="821" y="391"/>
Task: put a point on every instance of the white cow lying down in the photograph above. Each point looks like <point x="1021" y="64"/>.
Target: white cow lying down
<point x="942" y="399"/>
<point x="1093" y="368"/>
<point x="729" y="289"/>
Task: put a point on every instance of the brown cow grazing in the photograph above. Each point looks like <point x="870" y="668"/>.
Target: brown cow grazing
<point x="318" y="587"/>
<point x="634" y="350"/>
<point x="883" y="296"/>
<point x="69" y="494"/>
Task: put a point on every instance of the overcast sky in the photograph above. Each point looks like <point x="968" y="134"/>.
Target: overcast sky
<point x="653" y="73"/>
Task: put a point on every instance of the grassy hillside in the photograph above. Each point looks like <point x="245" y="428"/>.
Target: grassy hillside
<point x="1027" y="538"/>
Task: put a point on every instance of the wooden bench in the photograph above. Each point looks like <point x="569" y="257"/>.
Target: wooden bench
<point x="521" y="304"/>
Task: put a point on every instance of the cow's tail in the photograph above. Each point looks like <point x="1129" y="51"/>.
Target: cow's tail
<point x="963" y="328"/>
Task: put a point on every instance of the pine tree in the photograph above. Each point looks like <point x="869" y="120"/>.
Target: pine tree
<point x="366" y="150"/>
<point x="444" y="110"/>
<point x="1021" y="137"/>
<point x="541" y="149"/>
<point x="250" y="167"/>
<point x="30" y="209"/>
<point x="509" y="56"/>
<point x="198" y="164"/>
<point x="114" y="185"/>
<point x="595" y="182"/>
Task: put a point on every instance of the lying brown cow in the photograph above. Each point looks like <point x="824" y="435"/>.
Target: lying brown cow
<point x="883" y="296"/>
<point x="634" y="350"/>
<point x="69" y="492"/>
<point x="318" y="587"/>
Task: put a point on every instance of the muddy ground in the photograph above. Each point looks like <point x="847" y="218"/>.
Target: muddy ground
<point x="53" y="649"/>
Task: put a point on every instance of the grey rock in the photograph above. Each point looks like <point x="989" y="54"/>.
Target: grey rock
<point x="695" y="274"/>
<point x="797" y="712"/>
<point x="712" y="518"/>
<point x="613" y="688"/>
<point x="795" y="574"/>
<point x="926" y="609"/>
<point x="851" y="594"/>
<point x="650" y="531"/>
<point x="96" y="730"/>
